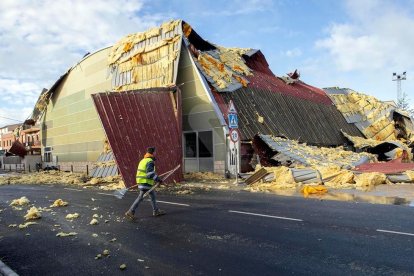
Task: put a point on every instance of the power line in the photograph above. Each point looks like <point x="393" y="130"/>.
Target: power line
<point x="11" y="119"/>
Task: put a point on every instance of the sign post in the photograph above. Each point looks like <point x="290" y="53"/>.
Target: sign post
<point x="233" y="123"/>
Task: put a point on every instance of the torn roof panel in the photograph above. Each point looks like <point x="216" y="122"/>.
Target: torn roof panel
<point x="315" y="156"/>
<point x="371" y="116"/>
<point x="132" y="124"/>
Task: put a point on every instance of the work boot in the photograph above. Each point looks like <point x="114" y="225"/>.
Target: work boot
<point x="158" y="212"/>
<point x="129" y="215"/>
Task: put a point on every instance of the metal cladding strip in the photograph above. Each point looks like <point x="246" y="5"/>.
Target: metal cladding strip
<point x="135" y="120"/>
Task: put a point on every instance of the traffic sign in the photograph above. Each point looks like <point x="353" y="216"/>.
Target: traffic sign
<point x="233" y="120"/>
<point x="231" y="108"/>
<point x="234" y="135"/>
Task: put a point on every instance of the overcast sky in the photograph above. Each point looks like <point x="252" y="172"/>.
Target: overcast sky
<point x="352" y="43"/>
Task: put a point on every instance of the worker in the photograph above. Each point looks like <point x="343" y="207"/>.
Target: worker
<point x="146" y="178"/>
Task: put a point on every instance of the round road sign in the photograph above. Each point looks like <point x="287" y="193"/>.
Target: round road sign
<point x="234" y="135"/>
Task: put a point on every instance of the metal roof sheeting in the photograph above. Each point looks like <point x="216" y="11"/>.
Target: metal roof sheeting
<point x="136" y="120"/>
<point x="309" y="155"/>
<point x="104" y="171"/>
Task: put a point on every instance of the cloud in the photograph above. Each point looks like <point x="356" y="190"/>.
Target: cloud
<point x="240" y="7"/>
<point x="380" y="34"/>
<point x="40" y="40"/>
<point x="295" y="52"/>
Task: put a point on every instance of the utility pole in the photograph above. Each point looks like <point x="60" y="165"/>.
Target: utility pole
<point x="398" y="78"/>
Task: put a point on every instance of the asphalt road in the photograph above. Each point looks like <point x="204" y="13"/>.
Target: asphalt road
<point x="211" y="233"/>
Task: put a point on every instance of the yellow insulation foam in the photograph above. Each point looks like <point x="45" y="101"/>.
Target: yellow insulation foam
<point x="367" y="181"/>
<point x="59" y="203"/>
<point x="72" y="216"/>
<point x="63" y="234"/>
<point x="33" y="213"/>
<point x="26" y="224"/>
<point x="20" y="201"/>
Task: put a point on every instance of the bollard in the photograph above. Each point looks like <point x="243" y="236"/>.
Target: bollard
<point x="24" y="167"/>
<point x="16" y="167"/>
<point x="87" y="170"/>
<point x="71" y="168"/>
<point x="29" y="167"/>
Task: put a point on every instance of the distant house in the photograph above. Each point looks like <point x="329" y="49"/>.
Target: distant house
<point x="150" y="85"/>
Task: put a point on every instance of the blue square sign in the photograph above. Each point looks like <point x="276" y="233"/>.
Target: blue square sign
<point x="233" y="120"/>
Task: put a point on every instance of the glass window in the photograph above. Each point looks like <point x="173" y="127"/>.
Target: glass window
<point x="205" y="144"/>
<point x="190" y="145"/>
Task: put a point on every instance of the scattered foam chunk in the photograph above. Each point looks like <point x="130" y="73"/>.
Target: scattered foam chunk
<point x="94" y="235"/>
<point x="59" y="203"/>
<point x="20" y="201"/>
<point x="122" y="266"/>
<point x="105" y="252"/>
<point x="12" y="225"/>
<point x="62" y="234"/>
<point x="32" y="213"/>
<point x="94" y="221"/>
<point x="25" y="225"/>
<point x="95" y="216"/>
<point x="72" y="216"/>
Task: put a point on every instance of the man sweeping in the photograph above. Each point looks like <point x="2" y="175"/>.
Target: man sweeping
<point x="146" y="178"/>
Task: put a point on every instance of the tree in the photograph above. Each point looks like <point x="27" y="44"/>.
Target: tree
<point x="403" y="103"/>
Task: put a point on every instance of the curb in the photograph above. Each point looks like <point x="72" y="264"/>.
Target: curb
<point x="6" y="271"/>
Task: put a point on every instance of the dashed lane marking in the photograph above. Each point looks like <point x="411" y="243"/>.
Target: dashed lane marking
<point x="174" y="203"/>
<point x="262" y="215"/>
<point x="106" y="194"/>
<point x="395" y="232"/>
<point x="72" y="189"/>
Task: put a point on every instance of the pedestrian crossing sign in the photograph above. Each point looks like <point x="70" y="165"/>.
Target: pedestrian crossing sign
<point x="233" y="121"/>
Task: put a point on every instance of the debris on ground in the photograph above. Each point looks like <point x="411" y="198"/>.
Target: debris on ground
<point x="113" y="240"/>
<point x="72" y="216"/>
<point x="367" y="181"/>
<point x="105" y="252"/>
<point x="205" y="177"/>
<point x="25" y="225"/>
<point x="12" y="225"/>
<point x="95" y="216"/>
<point x="94" y="221"/>
<point x="313" y="190"/>
<point x="59" y="203"/>
<point x="99" y="256"/>
<point x="45" y="177"/>
<point x="184" y="192"/>
<point x="20" y="201"/>
<point x="33" y="213"/>
<point x="63" y="234"/>
<point x="122" y="266"/>
<point x="94" y="235"/>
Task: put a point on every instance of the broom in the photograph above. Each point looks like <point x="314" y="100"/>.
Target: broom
<point x="121" y="193"/>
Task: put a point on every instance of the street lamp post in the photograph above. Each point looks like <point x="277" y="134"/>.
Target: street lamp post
<point x="398" y="78"/>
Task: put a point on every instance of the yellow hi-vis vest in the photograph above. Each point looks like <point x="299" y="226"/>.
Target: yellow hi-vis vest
<point x="141" y="176"/>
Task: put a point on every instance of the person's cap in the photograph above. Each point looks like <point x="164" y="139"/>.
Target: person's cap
<point x="151" y="150"/>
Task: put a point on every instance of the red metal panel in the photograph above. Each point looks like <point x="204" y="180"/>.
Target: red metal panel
<point x="136" y="120"/>
<point x="392" y="167"/>
<point x="18" y="148"/>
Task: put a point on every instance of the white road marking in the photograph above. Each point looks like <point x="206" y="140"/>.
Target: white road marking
<point x="106" y="194"/>
<point x="174" y="203"/>
<point x="72" y="189"/>
<point x="395" y="232"/>
<point x="262" y="215"/>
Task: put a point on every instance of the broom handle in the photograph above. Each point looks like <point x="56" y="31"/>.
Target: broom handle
<point x="170" y="171"/>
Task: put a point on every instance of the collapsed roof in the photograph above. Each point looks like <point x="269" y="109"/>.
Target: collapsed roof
<point x="267" y="104"/>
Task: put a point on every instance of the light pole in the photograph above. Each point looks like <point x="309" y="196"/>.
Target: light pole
<point x="398" y="78"/>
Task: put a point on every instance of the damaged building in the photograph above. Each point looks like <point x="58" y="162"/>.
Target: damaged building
<point x="169" y="88"/>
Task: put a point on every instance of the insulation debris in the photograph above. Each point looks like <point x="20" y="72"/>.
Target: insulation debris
<point x="63" y="234"/>
<point x="72" y="216"/>
<point x="367" y="181"/>
<point x="45" y="177"/>
<point x="33" y="213"/>
<point x="94" y="235"/>
<point x="283" y="179"/>
<point x="122" y="266"/>
<point x="94" y="221"/>
<point x="99" y="256"/>
<point x="204" y="177"/>
<point x="59" y="203"/>
<point x="95" y="216"/>
<point x="20" y="201"/>
<point x="26" y="224"/>
<point x="105" y="252"/>
<point x="12" y="225"/>
<point x="313" y="190"/>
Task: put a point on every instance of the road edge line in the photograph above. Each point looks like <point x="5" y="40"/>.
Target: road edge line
<point x="395" y="232"/>
<point x="263" y="215"/>
<point x="6" y="271"/>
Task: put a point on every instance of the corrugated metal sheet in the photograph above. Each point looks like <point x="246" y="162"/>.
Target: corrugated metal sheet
<point x="392" y="167"/>
<point x="136" y="120"/>
<point x="303" y="155"/>
<point x="286" y="115"/>
<point x="106" y="170"/>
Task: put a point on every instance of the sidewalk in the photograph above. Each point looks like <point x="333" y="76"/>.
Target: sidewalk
<point x="396" y="194"/>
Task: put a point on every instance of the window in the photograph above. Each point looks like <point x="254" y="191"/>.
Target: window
<point x="190" y="147"/>
<point x="205" y="144"/>
<point x="47" y="157"/>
